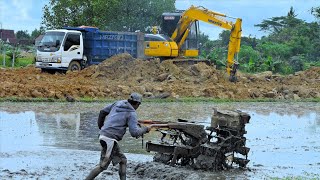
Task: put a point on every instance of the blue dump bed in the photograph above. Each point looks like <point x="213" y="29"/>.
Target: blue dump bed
<point x="100" y="45"/>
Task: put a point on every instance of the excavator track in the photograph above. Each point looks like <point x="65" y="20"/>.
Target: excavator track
<point x="181" y="62"/>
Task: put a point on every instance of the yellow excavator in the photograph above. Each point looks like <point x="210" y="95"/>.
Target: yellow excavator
<point x="180" y="39"/>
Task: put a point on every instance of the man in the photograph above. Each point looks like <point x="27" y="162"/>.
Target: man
<point x="113" y="121"/>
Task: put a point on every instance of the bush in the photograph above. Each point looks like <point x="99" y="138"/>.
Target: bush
<point x="19" y="62"/>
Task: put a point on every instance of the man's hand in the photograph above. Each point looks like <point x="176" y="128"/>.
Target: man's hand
<point x="148" y="128"/>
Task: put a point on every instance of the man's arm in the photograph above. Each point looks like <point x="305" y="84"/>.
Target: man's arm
<point x="102" y="115"/>
<point x="134" y="128"/>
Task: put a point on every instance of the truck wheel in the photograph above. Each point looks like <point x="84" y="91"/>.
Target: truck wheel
<point x="74" y="66"/>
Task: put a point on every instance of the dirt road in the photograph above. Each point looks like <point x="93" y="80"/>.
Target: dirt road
<point x="117" y="77"/>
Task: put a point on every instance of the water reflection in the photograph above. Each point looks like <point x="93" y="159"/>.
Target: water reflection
<point x="69" y="130"/>
<point x="19" y="131"/>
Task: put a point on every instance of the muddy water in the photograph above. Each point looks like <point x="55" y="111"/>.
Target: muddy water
<point x="283" y="137"/>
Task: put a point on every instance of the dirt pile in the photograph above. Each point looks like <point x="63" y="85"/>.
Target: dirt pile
<point x="118" y="76"/>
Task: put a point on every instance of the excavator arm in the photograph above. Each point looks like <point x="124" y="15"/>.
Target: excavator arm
<point x="202" y="14"/>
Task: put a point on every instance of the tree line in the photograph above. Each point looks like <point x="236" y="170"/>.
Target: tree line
<point x="110" y="15"/>
<point x="291" y="45"/>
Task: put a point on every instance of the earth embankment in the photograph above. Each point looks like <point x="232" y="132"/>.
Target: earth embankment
<point x="120" y="75"/>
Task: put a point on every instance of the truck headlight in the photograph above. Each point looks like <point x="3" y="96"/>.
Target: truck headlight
<point x="38" y="59"/>
<point x="56" y="59"/>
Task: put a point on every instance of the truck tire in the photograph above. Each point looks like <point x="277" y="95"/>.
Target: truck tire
<point x="74" y="66"/>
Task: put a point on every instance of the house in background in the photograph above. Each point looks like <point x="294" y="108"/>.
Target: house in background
<point x="8" y="36"/>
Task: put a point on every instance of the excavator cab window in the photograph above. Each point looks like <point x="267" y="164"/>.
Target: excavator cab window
<point x="156" y="37"/>
<point x="192" y="39"/>
<point x="169" y="24"/>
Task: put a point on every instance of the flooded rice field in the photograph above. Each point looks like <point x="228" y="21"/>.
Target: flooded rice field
<point x="60" y="140"/>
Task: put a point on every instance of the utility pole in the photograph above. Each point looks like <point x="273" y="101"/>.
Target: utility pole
<point x="13" y="56"/>
<point x="4" y="56"/>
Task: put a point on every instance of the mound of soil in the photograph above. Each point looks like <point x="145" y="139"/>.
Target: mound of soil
<point x="120" y="75"/>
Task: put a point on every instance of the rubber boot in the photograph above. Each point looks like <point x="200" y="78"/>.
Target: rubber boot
<point x="123" y="170"/>
<point x="94" y="173"/>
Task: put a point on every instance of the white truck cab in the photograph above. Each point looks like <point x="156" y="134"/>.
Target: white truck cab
<point x="60" y="50"/>
<point x="74" y="48"/>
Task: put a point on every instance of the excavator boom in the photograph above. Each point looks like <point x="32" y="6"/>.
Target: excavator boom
<point x="218" y="19"/>
<point x="181" y="32"/>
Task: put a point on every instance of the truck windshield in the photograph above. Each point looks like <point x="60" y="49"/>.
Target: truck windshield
<point x="51" y="42"/>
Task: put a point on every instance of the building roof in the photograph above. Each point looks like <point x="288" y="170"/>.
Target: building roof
<point x="8" y="36"/>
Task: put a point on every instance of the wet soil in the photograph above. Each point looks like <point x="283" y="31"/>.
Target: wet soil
<point x="76" y="164"/>
<point x="120" y="75"/>
<point x="59" y="141"/>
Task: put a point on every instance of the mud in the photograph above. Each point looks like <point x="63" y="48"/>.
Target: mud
<point x="77" y="164"/>
<point x="59" y="141"/>
<point x="118" y="76"/>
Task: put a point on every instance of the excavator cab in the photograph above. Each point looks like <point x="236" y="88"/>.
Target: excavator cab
<point x="161" y="45"/>
<point x="169" y="22"/>
<point x="190" y="47"/>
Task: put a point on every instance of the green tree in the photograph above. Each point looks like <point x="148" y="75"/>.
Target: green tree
<point x="217" y="56"/>
<point x="249" y="41"/>
<point x="276" y="24"/>
<point x="246" y="53"/>
<point x="271" y="64"/>
<point x="121" y="15"/>
<point x="138" y="15"/>
<point x="271" y="25"/>
<point x="22" y="35"/>
<point x="282" y="51"/>
<point x="251" y="66"/>
<point x="297" y="62"/>
<point x="35" y="33"/>
<point x="292" y="45"/>
<point x="316" y="12"/>
<point x="59" y="13"/>
<point x="14" y="53"/>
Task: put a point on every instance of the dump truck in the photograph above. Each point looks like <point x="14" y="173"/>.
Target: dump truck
<point x="74" y="48"/>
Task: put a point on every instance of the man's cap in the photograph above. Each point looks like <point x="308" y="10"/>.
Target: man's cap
<point x="136" y="97"/>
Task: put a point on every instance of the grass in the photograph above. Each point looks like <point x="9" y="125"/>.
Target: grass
<point x="22" y="62"/>
<point x="19" y="62"/>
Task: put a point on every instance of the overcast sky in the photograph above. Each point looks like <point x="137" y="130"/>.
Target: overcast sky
<point x="26" y="14"/>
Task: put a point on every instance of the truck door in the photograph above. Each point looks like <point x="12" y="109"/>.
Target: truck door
<point x="72" y="48"/>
